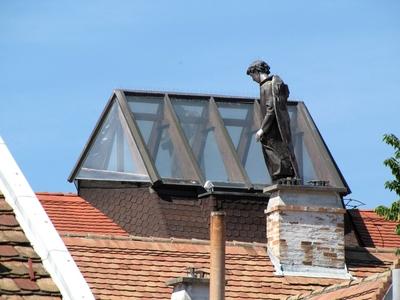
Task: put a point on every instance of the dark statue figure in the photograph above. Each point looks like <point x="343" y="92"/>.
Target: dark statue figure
<point x="274" y="133"/>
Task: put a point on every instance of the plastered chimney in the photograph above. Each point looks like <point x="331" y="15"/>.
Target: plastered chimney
<point x="194" y="286"/>
<point x="305" y="231"/>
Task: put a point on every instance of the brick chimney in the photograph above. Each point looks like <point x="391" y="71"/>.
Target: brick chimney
<point x="305" y="231"/>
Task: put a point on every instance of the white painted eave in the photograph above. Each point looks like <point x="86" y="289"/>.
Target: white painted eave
<point x="39" y="229"/>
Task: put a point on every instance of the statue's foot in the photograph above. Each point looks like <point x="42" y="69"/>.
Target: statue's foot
<point x="318" y="182"/>
<point x="289" y="181"/>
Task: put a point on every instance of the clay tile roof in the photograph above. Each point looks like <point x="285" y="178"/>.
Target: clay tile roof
<point x="373" y="287"/>
<point x="373" y="230"/>
<point x="133" y="267"/>
<point x="71" y="213"/>
<point x="119" y="266"/>
<point x="22" y="275"/>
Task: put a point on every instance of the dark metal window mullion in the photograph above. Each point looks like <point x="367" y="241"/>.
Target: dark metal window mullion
<point x="246" y="136"/>
<point x="137" y="136"/>
<point x="181" y="144"/>
<point x="236" y="171"/>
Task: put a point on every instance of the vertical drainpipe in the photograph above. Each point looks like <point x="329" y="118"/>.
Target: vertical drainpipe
<point x="396" y="282"/>
<point x="217" y="255"/>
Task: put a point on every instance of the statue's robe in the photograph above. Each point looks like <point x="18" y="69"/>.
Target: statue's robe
<point x="276" y="139"/>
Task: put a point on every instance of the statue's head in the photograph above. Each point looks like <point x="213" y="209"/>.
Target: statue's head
<point x="257" y="69"/>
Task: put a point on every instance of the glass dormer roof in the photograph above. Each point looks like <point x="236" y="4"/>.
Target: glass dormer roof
<point x="175" y="138"/>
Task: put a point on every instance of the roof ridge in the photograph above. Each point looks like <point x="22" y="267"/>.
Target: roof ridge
<point x="200" y="241"/>
<point x="194" y="241"/>
<point x="158" y="239"/>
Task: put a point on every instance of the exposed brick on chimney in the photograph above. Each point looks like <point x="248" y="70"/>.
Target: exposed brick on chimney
<point x="305" y="231"/>
<point x="142" y="213"/>
<point x="301" y="243"/>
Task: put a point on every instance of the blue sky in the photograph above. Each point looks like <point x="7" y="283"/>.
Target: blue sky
<point x="60" y="61"/>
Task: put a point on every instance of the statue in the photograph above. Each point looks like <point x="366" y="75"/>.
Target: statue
<point x="274" y="133"/>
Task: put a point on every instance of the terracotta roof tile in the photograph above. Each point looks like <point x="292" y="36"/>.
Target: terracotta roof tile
<point x="373" y="287"/>
<point x="138" y="268"/>
<point x="47" y="285"/>
<point x="13" y="236"/>
<point x="373" y="230"/>
<point x="71" y="213"/>
<point x="5" y="207"/>
<point x="8" y="221"/>
<point x="15" y="252"/>
<point x="8" y="285"/>
<point x="26" y="252"/>
<point x="120" y="267"/>
<point x="8" y="251"/>
<point x="26" y="284"/>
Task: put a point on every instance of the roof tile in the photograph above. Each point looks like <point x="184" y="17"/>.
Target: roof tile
<point x="16" y="268"/>
<point x="71" y="213"/>
<point x="373" y="230"/>
<point x="13" y="236"/>
<point x="117" y="266"/>
<point x="123" y="267"/>
<point x="26" y="284"/>
<point x="372" y="287"/>
<point x="7" y="251"/>
<point x="15" y="251"/>
<point x="8" y="220"/>
<point x="26" y="252"/>
<point x="7" y="284"/>
<point x="47" y="285"/>
<point x="5" y="207"/>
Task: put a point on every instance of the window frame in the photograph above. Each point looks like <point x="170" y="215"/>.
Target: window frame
<point x="232" y="160"/>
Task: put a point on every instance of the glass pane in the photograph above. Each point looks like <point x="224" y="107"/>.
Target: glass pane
<point x="193" y="116"/>
<point x="233" y="110"/>
<point x="301" y="150"/>
<point x="149" y="113"/>
<point x="144" y="104"/>
<point x="235" y="133"/>
<point x="255" y="164"/>
<point x="113" y="154"/>
<point x="239" y="121"/>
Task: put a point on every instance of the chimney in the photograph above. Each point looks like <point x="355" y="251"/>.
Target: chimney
<point x="305" y="230"/>
<point x="217" y="255"/>
<point x="194" y="286"/>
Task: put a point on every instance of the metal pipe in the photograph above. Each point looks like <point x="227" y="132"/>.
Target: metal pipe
<point x="217" y="255"/>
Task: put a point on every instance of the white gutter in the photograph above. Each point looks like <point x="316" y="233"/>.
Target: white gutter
<point x="39" y="229"/>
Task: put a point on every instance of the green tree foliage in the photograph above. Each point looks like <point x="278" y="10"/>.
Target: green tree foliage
<point x="393" y="212"/>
